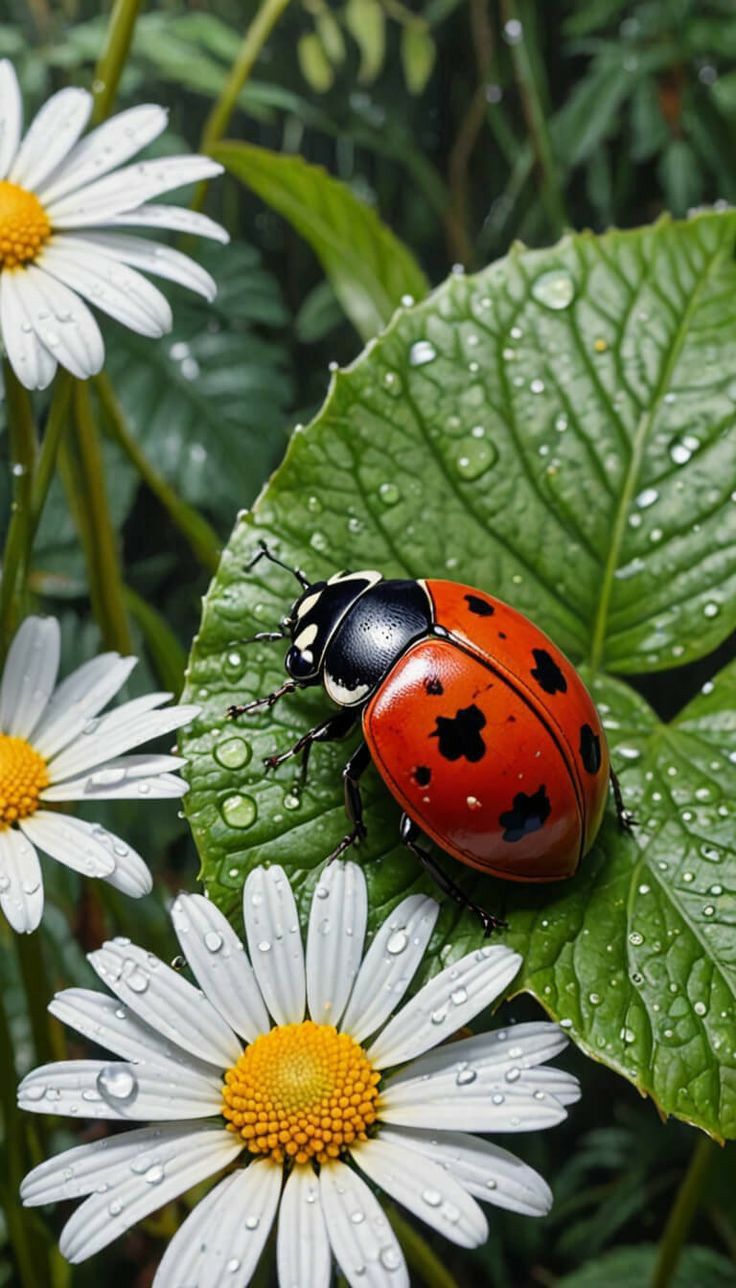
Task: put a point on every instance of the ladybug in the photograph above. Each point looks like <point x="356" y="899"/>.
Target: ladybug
<point x="479" y="726"/>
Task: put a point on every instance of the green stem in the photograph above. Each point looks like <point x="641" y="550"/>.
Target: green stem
<point x="47" y="456"/>
<point x="200" y="535"/>
<point x="420" y="1257"/>
<point x="112" y="59"/>
<point x="165" y="651"/>
<point x="28" y="1255"/>
<point x="218" y="120"/>
<point x="535" y="116"/>
<point x="87" y="495"/>
<point x="22" y="435"/>
<point x="682" y="1212"/>
<point x="47" y="1037"/>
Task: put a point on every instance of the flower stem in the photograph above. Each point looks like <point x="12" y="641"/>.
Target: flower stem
<point x="194" y="527"/>
<point x="22" y="435"/>
<point x="84" y="479"/>
<point x="420" y="1257"/>
<point x="218" y="120"/>
<point x="47" y="1037"/>
<point x="682" y="1212"/>
<point x="111" y="62"/>
<point x="165" y="651"/>
<point x="526" y="71"/>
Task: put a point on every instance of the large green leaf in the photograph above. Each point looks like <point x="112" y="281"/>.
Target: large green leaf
<point x="557" y="430"/>
<point x="370" y="269"/>
<point x="625" y="1266"/>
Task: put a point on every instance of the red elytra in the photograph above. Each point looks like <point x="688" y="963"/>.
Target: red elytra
<point x="480" y="727"/>
<point x="540" y="749"/>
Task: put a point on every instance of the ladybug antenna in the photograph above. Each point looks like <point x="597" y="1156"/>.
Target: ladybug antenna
<point x="266" y="553"/>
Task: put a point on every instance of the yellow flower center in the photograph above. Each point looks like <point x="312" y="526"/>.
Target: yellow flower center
<point x="24" y="225"/>
<point x="23" y="774"/>
<point x="301" y="1090"/>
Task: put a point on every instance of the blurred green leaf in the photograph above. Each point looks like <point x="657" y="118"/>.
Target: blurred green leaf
<point x="680" y="176"/>
<point x="319" y="314"/>
<point x="630" y="1267"/>
<point x="330" y="35"/>
<point x="208" y="403"/>
<point x="530" y="430"/>
<point x="316" y="66"/>
<point x="368" y="266"/>
<point x="366" y="22"/>
<point x="418" y="53"/>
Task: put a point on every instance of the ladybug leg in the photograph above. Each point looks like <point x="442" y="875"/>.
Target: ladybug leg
<point x="330" y="730"/>
<point x="358" y="763"/>
<point x="626" y="820"/>
<point x="408" y="832"/>
<point x="288" y="686"/>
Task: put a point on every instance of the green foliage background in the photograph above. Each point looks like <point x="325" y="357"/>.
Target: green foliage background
<point x="443" y="137"/>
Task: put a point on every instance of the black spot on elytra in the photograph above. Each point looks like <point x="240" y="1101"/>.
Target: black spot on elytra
<point x="459" y="735"/>
<point x="479" y="606"/>
<point x="528" y="815"/>
<point x="434" y="686"/>
<point x="590" y="749"/>
<point x="502" y="635"/>
<point x="547" y="673"/>
<point x="422" y="775"/>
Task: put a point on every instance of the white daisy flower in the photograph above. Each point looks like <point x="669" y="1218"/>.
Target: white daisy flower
<point x="56" y="747"/>
<point x="308" y="1115"/>
<point x="63" y="202"/>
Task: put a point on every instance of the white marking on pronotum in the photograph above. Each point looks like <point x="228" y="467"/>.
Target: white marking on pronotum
<point x="343" y="696"/>
<point x="306" y="637"/>
<point x="307" y="604"/>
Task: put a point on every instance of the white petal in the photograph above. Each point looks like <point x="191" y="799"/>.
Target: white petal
<point x="29" y="675"/>
<point x="77" y="1089"/>
<point x="178" y="218"/>
<point x="362" y="1240"/>
<point x="503" y="1051"/>
<point x="110" y="145"/>
<point x="116" y="733"/>
<point x="389" y="966"/>
<point x="449" y="1001"/>
<point x="113" y="287"/>
<point x="129" y="187"/>
<point x="560" y="1084"/>
<point x="70" y="841"/>
<point x="31" y="361"/>
<point x="63" y="323"/>
<point x="131" y="874"/>
<point x="486" y="1171"/>
<point x="180" y="1162"/>
<point x="302" y="1248"/>
<point x="50" y="136"/>
<point x="78" y="698"/>
<point x="80" y="1171"/>
<point x="219" y="962"/>
<point x="425" y="1189"/>
<point x="11" y="115"/>
<point x="222" y="1239"/>
<point x="123" y="778"/>
<point x="275" y="943"/>
<point x="104" y="1021"/>
<point x="21" y="887"/>
<point x="166" y="1001"/>
<point x="337" y="922"/>
<point x="162" y="261"/>
<point x="465" y="1096"/>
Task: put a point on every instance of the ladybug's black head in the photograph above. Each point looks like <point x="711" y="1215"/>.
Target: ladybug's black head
<point x="314" y="618"/>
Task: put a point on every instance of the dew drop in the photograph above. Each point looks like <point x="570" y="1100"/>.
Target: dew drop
<point x="647" y="497"/>
<point x="154" y="1175"/>
<point x="513" y="1075"/>
<point x="252" y="1222"/>
<point x="397" y="943"/>
<point x="137" y="980"/>
<point x="117" y="1083"/>
<point x="390" y="1258"/>
<point x="213" y="941"/>
<point x="458" y="996"/>
<point x="465" y="1077"/>
<point x="432" y="1198"/>
<point x="700" y="1008"/>
<point x="422" y="352"/>
<point x="389" y="493"/>
<point x="239" y="810"/>
<point x="233" y="753"/>
<point x="475" y="456"/>
<point x="554" y="289"/>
